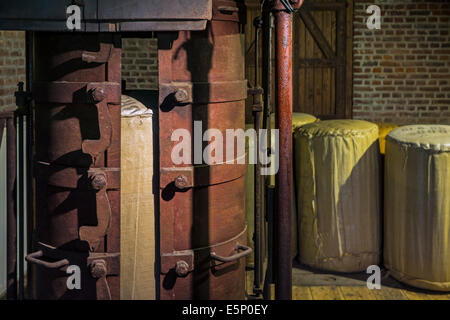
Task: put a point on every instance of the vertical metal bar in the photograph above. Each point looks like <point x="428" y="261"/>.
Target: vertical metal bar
<point x="21" y="190"/>
<point x="29" y="154"/>
<point x="267" y="65"/>
<point x="258" y="215"/>
<point x="267" y="37"/>
<point x="257" y="171"/>
<point x="11" y="154"/>
<point x="22" y="105"/>
<point x="270" y="196"/>
<point x="283" y="215"/>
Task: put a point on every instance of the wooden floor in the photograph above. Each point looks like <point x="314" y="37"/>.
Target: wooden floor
<point x="314" y="285"/>
<point x="362" y="293"/>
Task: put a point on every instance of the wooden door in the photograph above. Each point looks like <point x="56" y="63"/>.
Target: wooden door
<point x="323" y="59"/>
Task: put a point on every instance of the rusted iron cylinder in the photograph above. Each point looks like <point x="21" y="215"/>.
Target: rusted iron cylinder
<point x="202" y="221"/>
<point x="11" y="220"/>
<point x="283" y="26"/>
<point x="77" y="94"/>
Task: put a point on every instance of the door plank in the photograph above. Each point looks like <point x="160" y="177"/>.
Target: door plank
<point x="323" y="85"/>
<point x="316" y="33"/>
<point x="318" y="75"/>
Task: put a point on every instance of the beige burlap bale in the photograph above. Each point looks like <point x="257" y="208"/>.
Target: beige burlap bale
<point x="417" y="206"/>
<point x="338" y="163"/>
<point x="137" y="276"/>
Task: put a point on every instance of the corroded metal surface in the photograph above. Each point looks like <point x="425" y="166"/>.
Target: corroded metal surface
<point x="77" y="95"/>
<point x="284" y="101"/>
<point x="202" y="207"/>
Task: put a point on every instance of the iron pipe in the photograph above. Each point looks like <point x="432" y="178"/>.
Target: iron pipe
<point x="20" y="217"/>
<point x="29" y="154"/>
<point x="257" y="112"/>
<point x="284" y="100"/>
<point x="267" y="65"/>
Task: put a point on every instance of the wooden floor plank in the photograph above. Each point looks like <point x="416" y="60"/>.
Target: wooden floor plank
<point x="439" y="296"/>
<point x="351" y="292"/>
<point x="386" y="293"/>
<point x="326" y="293"/>
<point x="357" y="293"/>
<point x="414" y="295"/>
<point x="301" y="293"/>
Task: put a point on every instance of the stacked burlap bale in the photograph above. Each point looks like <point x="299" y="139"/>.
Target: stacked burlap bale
<point x="337" y="167"/>
<point x="298" y="119"/>
<point x="417" y="206"/>
<point x="137" y="276"/>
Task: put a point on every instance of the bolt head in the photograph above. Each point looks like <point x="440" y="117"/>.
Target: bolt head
<point x="98" y="181"/>
<point x="182" y="268"/>
<point x="98" y="94"/>
<point x="181" y="182"/>
<point x="98" y="269"/>
<point x="181" y="95"/>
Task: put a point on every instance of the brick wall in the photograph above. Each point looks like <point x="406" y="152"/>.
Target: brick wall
<point x="402" y="72"/>
<point x="140" y="63"/>
<point x="12" y="66"/>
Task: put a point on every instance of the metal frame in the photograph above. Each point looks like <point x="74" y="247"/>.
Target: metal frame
<point x="107" y="15"/>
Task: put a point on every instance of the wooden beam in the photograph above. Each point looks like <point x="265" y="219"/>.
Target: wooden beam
<point x="316" y="33"/>
<point x="341" y="69"/>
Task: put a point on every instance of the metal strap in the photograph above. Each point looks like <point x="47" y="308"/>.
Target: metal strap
<point x="75" y="178"/>
<point x="76" y="92"/>
<point x="202" y="175"/>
